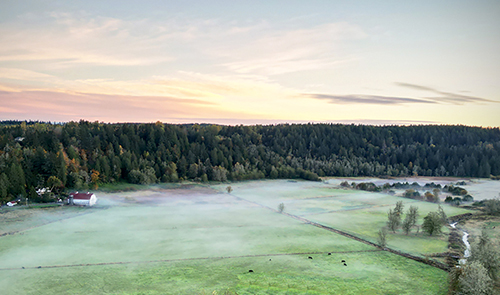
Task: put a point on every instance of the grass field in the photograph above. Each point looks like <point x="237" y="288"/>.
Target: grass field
<point x="356" y="212"/>
<point x="200" y="239"/>
<point x="21" y="218"/>
<point x="366" y="273"/>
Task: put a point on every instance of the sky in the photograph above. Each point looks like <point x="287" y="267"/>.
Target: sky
<point x="251" y="62"/>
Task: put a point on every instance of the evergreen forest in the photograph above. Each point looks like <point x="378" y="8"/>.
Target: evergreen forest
<point x="82" y="155"/>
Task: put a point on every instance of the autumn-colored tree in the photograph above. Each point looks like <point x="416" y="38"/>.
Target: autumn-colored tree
<point x="94" y="178"/>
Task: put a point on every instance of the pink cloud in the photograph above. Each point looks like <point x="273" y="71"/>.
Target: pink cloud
<point x="60" y="106"/>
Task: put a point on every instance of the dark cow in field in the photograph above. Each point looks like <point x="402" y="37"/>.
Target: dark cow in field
<point x="310" y="257"/>
<point x="343" y="261"/>
<point x="250" y="271"/>
<point x="329" y="253"/>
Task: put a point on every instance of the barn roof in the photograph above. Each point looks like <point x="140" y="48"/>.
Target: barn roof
<point x="81" y="196"/>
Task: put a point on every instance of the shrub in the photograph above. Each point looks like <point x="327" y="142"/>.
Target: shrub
<point x="474" y="280"/>
<point x="367" y="186"/>
<point x="492" y="207"/>
<point x="456" y="190"/>
<point x="382" y="237"/>
<point x="345" y="184"/>
<point x="468" y="198"/>
<point x="412" y="194"/>
<point x="430" y="197"/>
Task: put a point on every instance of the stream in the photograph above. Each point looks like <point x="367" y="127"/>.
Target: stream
<point x="466" y="243"/>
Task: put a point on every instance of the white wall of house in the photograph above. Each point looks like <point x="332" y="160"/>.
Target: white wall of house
<point x="81" y="202"/>
<point x="93" y="200"/>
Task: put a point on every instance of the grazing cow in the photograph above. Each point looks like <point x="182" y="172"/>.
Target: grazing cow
<point x="39" y="267"/>
<point x="329" y="253"/>
<point x="23" y="267"/>
<point x="250" y="271"/>
<point x="345" y="264"/>
<point x="343" y="261"/>
<point x="310" y="257"/>
<point x="269" y="259"/>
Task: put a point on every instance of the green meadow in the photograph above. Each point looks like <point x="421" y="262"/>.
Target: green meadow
<point x="199" y="239"/>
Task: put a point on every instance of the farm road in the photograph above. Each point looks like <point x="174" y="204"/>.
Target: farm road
<point x="185" y="259"/>
<point x="331" y="229"/>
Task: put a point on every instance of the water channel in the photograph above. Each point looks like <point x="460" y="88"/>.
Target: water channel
<point x="465" y="239"/>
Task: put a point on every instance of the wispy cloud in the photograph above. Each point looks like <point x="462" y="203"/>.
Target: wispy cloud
<point x="283" y="51"/>
<point x="366" y="99"/>
<point x="61" y="106"/>
<point x="20" y="74"/>
<point x="185" y="95"/>
<point x="445" y="97"/>
<point x="66" y="39"/>
<point x="182" y="85"/>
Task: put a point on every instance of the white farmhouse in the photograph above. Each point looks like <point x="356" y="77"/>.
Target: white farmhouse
<point x="82" y="199"/>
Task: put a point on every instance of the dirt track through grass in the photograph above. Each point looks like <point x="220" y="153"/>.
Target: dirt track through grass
<point x="345" y="234"/>
<point x="187" y="259"/>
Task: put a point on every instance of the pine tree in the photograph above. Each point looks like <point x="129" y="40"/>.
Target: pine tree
<point x="4" y="187"/>
<point x="60" y="168"/>
<point x="16" y="180"/>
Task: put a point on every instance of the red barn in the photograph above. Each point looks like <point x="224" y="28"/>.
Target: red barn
<point x="83" y="199"/>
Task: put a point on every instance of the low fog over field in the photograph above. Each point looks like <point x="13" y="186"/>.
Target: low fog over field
<point x="197" y="227"/>
<point x="156" y="225"/>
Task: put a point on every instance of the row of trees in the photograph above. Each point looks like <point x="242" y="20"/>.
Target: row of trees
<point x="433" y="221"/>
<point x="413" y="193"/>
<point x="83" y="154"/>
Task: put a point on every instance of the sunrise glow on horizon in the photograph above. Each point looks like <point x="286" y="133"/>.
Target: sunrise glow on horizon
<point x="251" y="62"/>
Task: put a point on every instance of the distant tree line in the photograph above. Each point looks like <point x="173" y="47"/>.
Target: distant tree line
<point x="82" y="154"/>
<point x="412" y="191"/>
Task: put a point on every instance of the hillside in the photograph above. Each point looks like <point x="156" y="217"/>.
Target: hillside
<point x="83" y="154"/>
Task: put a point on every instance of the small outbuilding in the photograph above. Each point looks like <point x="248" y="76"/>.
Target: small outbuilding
<point x="82" y="199"/>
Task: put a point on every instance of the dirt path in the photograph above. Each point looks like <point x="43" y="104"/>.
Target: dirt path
<point x="186" y="259"/>
<point x="331" y="229"/>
